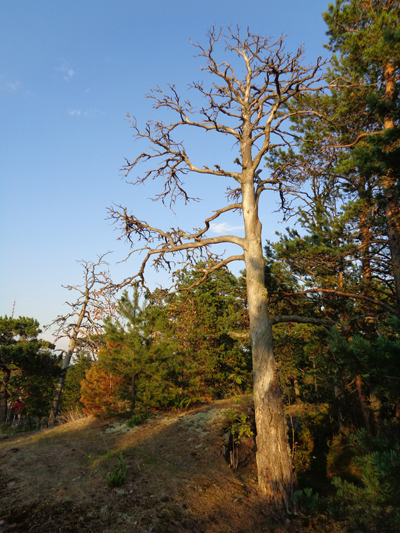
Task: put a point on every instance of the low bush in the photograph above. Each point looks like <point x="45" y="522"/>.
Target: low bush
<point x="371" y="502"/>
<point x="117" y="477"/>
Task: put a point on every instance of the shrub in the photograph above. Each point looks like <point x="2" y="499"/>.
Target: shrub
<point x="117" y="477"/>
<point x="371" y="502"/>
<point x="101" y="393"/>
<point x="138" y="418"/>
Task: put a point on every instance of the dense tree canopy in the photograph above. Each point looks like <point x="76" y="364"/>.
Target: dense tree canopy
<point x="28" y="367"/>
<point x="176" y="350"/>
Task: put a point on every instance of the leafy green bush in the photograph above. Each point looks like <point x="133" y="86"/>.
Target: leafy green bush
<point x="239" y="425"/>
<point x="138" y="418"/>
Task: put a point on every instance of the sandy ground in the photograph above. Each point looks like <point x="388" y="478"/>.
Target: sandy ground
<point x="178" y="478"/>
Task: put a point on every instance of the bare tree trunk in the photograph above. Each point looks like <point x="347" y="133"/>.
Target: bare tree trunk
<point x="276" y="477"/>
<point x="61" y="381"/>
<point x="67" y="360"/>
<point x="392" y="212"/>
<point x="4" y="394"/>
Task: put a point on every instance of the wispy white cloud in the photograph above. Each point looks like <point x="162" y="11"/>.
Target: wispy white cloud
<point x="224" y="227"/>
<point x="74" y="112"/>
<point x="9" y="86"/>
<point x="89" y="113"/>
<point x="66" y="71"/>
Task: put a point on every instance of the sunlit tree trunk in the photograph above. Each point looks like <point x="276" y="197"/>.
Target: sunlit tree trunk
<point x="276" y="477"/>
<point x="392" y="208"/>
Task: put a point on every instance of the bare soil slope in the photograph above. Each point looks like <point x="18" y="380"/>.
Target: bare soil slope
<point x="178" y="479"/>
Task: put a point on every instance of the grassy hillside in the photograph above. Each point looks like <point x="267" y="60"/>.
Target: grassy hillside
<point x="178" y="478"/>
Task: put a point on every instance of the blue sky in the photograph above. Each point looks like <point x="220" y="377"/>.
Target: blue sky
<point x="69" y="74"/>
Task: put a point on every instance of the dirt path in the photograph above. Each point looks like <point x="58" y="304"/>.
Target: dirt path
<point x="178" y="479"/>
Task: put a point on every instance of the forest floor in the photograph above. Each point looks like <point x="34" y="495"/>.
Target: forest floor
<point x="178" y="478"/>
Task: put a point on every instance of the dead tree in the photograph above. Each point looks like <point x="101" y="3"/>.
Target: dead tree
<point x="82" y="326"/>
<point x="253" y="111"/>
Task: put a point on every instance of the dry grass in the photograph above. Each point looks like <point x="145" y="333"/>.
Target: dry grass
<point x="71" y="415"/>
<point x="177" y="480"/>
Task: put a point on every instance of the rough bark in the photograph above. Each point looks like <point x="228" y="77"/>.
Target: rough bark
<point x="392" y="208"/>
<point x="276" y="477"/>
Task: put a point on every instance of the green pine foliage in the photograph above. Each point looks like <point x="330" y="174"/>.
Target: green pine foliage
<point x="211" y="363"/>
<point x="33" y="366"/>
<point x="376" y="361"/>
<point x="343" y="174"/>
<point x="371" y="502"/>
<point x="175" y="350"/>
<point x="135" y="352"/>
<point x="71" y="394"/>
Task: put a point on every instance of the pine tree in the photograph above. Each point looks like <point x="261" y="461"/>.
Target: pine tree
<point x="28" y="367"/>
<point x="200" y="322"/>
<point x="101" y="392"/>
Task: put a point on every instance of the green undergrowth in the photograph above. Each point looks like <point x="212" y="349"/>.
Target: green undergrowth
<point x="139" y="418"/>
<point x="117" y="476"/>
<point x="366" y="495"/>
<point x="309" y="432"/>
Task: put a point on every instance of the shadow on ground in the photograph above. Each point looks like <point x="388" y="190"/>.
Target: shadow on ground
<point x="178" y="479"/>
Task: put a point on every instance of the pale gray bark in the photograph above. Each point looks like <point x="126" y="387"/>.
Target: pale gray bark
<point x="253" y="110"/>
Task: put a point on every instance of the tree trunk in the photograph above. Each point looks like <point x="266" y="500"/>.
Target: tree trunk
<point x="61" y="381"/>
<point x="4" y="394"/>
<point x="363" y="405"/>
<point x="276" y="477"/>
<point x="68" y="357"/>
<point x="297" y="390"/>
<point x="366" y="241"/>
<point x="392" y="209"/>
<point x="392" y="212"/>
